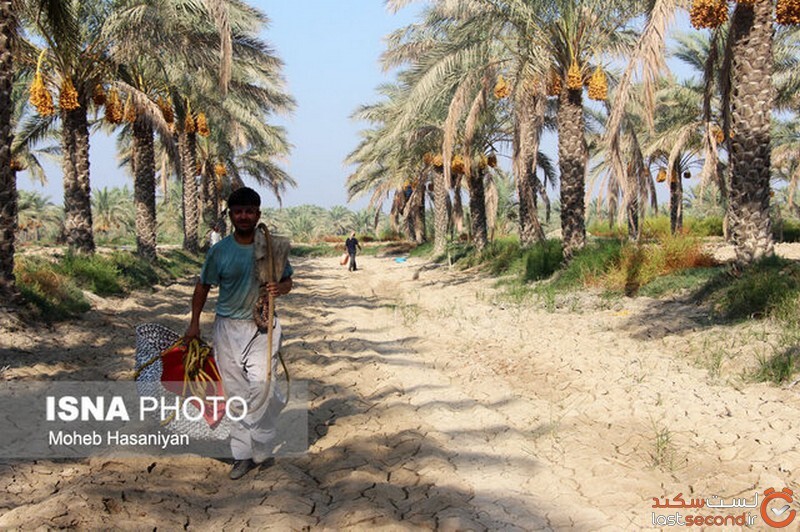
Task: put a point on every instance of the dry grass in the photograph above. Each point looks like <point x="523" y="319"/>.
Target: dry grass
<point x="640" y="264"/>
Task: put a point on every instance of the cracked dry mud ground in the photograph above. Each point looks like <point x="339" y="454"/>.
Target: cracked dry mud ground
<point x="432" y="404"/>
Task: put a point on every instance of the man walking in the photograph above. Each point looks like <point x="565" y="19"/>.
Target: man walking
<point x="351" y="244"/>
<point x="240" y="349"/>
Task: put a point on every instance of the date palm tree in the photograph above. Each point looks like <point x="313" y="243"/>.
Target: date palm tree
<point x="676" y="146"/>
<point x="55" y="14"/>
<point x="112" y="209"/>
<point x="747" y="103"/>
<point x="751" y="103"/>
<point x="391" y="151"/>
<point x="573" y="37"/>
<point x="72" y="65"/>
<point x="247" y="144"/>
<point x="37" y="214"/>
<point x="450" y="69"/>
<point x="531" y="41"/>
<point x="340" y="220"/>
<point x="8" y="179"/>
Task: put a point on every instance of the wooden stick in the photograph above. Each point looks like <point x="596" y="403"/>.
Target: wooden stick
<point x="270" y="305"/>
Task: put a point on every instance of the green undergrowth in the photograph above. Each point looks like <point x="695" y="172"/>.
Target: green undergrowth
<point x="617" y="267"/>
<point x="786" y="231"/>
<point x="641" y="264"/>
<point x="52" y="295"/>
<point x="54" y="286"/>
<point x="314" y="250"/>
<point x="422" y="250"/>
<point x="505" y="256"/>
<point x="678" y="282"/>
<point x="658" y="227"/>
<point x="326" y="249"/>
<point x="666" y="265"/>
<point x="770" y="290"/>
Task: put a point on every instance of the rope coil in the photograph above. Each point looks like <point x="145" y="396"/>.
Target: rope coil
<point x="196" y="380"/>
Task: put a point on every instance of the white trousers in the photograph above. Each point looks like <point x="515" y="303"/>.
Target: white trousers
<point x="242" y="362"/>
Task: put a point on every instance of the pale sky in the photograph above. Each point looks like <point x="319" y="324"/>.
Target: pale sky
<point x="331" y="52"/>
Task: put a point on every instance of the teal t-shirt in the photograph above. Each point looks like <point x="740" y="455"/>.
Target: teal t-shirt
<point x="231" y="266"/>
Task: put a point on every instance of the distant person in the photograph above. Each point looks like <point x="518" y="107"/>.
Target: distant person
<point x="215" y="235"/>
<point x="351" y="244"/>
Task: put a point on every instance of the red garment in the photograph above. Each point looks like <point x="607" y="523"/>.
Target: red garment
<point x="174" y="379"/>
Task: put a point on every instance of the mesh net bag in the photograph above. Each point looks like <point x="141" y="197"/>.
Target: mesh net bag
<point x="151" y="340"/>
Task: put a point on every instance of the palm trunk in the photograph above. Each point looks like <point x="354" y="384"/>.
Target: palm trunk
<point x="419" y="212"/>
<point x="571" y="157"/>
<point x="414" y="213"/>
<point x="751" y="104"/>
<point x="441" y="213"/>
<point x="396" y="211"/>
<point x="408" y="217"/>
<point x="202" y="188"/>
<point x="211" y="205"/>
<point x="144" y="189"/>
<point x="545" y="199"/>
<point x="676" y="204"/>
<point x="477" y="209"/>
<point x="527" y="130"/>
<point x="632" y="208"/>
<point x="187" y="146"/>
<point x="8" y="179"/>
<point x="458" y="207"/>
<point x="613" y="202"/>
<point x="77" y="189"/>
<point x="530" y="228"/>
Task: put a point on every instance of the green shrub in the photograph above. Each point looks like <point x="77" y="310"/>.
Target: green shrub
<point x="590" y="264"/>
<point x="706" y="226"/>
<point x="54" y="287"/>
<point x="500" y="254"/>
<point x="316" y="250"/>
<point x="677" y="281"/>
<point x="603" y="230"/>
<point x="778" y="368"/>
<point x="655" y="228"/>
<point x="95" y="273"/>
<point x="768" y="287"/>
<point x="176" y="263"/>
<point x="135" y="271"/>
<point x="422" y="250"/>
<point x="789" y="231"/>
<point x="542" y="260"/>
<point x="387" y="235"/>
<point x="642" y="263"/>
<point x="53" y="294"/>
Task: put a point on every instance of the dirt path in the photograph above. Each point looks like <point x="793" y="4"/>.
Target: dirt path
<point x="434" y="403"/>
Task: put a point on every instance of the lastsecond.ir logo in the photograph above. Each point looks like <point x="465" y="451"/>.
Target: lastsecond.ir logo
<point x="769" y="516"/>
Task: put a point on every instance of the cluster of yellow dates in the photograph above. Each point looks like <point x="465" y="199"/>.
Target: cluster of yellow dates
<point x="597" y="83"/>
<point x="457" y="163"/>
<point x="662" y="176"/>
<point x="115" y="112"/>
<point x="714" y="13"/>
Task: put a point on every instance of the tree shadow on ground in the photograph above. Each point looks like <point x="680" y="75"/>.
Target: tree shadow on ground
<point x="363" y="468"/>
<point x="659" y="318"/>
<point x="384" y="477"/>
<point x="94" y="345"/>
